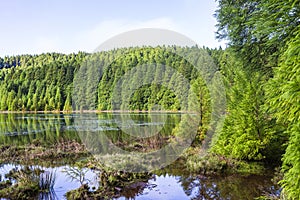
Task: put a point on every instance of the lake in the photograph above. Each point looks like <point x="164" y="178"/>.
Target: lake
<point x="139" y="133"/>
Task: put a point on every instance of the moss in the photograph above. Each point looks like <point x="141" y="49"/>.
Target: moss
<point x="5" y="184"/>
<point x="20" y="191"/>
<point x="268" y="198"/>
<point x="209" y="163"/>
<point x="243" y="167"/>
<point x="113" y="183"/>
<point x="81" y="193"/>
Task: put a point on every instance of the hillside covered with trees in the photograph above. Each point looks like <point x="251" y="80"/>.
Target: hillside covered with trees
<point x="46" y="82"/>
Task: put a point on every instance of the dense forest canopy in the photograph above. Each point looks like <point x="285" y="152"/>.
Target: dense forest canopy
<point x="50" y="82"/>
<point x="263" y="76"/>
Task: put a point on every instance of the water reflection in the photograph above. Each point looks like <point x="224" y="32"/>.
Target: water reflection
<point x="193" y="187"/>
<point x="231" y="187"/>
<point x="164" y="185"/>
<point x="20" y="129"/>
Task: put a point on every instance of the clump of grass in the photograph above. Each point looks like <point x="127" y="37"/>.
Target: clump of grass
<point x="112" y="183"/>
<point x="29" y="183"/>
<point x="81" y="193"/>
<point x="208" y="163"/>
<point x="25" y="175"/>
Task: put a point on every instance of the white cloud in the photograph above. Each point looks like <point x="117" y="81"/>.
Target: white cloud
<point x="46" y="44"/>
<point x="91" y="39"/>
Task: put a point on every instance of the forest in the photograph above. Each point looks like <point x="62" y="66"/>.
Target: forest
<point x="260" y="71"/>
<point x="264" y="91"/>
<point x="45" y="82"/>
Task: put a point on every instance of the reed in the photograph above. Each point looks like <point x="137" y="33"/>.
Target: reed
<point x="47" y="180"/>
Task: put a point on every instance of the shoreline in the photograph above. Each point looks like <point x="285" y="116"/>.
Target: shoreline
<point x="96" y="111"/>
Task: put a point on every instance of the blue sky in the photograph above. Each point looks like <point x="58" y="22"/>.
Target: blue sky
<point x="37" y="26"/>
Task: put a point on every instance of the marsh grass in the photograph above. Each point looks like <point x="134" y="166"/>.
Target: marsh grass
<point x="47" y="180"/>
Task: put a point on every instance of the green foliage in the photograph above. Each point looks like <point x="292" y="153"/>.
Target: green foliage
<point x="285" y="105"/>
<point x="258" y="30"/>
<point x="264" y="36"/>
<point x="53" y="82"/>
<point x="202" y="162"/>
<point x="245" y="132"/>
<point x="200" y="102"/>
<point x="291" y="164"/>
<point x="37" y="83"/>
<point x="158" y="73"/>
<point x="68" y="106"/>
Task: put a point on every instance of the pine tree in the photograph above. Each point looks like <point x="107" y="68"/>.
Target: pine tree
<point x="57" y="100"/>
<point x="284" y="101"/>
<point x="68" y="106"/>
<point x="34" y="106"/>
<point x="200" y="102"/>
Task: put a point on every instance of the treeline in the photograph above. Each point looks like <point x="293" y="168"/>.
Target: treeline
<point x="129" y="78"/>
<point x="261" y="69"/>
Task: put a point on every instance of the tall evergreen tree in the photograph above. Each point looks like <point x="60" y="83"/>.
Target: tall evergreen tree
<point x="284" y="104"/>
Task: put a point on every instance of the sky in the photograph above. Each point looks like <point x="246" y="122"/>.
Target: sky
<point x="66" y="26"/>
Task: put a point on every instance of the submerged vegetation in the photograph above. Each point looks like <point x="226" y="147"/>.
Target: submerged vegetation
<point x="35" y="153"/>
<point x="205" y="163"/>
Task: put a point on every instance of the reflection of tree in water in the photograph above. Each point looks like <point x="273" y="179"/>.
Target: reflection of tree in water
<point x="133" y="190"/>
<point x="22" y="129"/>
<point x="230" y="187"/>
<point x="233" y="187"/>
<point x="200" y="188"/>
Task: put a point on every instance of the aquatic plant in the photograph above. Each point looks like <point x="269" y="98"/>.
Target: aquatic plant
<point x="29" y="182"/>
<point x="47" y="180"/>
